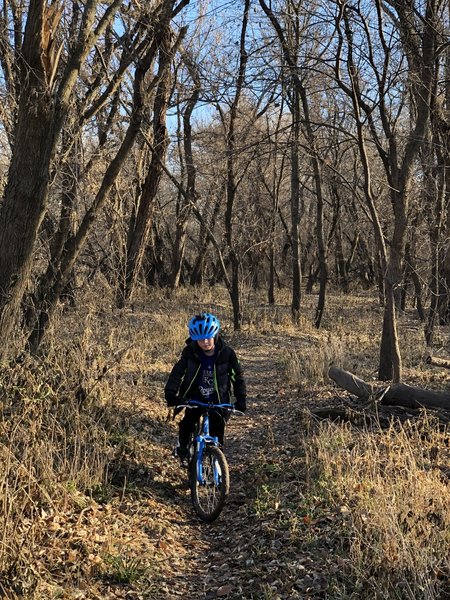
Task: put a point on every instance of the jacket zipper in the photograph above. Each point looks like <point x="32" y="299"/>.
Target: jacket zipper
<point x="192" y="381"/>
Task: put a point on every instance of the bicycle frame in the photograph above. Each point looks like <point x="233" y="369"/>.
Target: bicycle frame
<point x="207" y="465"/>
<point x="203" y="436"/>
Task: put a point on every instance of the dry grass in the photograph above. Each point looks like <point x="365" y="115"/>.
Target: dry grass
<point x="53" y="448"/>
<point x="394" y="501"/>
<point x="64" y="441"/>
<point x="64" y="438"/>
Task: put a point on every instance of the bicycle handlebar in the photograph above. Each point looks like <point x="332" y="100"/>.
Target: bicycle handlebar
<point x="210" y="405"/>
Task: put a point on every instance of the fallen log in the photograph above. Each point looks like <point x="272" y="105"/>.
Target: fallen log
<point x="397" y="394"/>
<point x="345" y="415"/>
<point x="437" y="361"/>
<point x="401" y="394"/>
<point x="351" y="383"/>
<point x="359" y="416"/>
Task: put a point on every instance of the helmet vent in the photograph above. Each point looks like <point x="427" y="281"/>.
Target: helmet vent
<point x="203" y="326"/>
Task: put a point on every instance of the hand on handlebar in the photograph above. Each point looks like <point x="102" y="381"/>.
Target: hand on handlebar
<point x="239" y="406"/>
<point x="173" y="401"/>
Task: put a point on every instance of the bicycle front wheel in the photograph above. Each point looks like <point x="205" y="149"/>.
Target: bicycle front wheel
<point x="210" y="488"/>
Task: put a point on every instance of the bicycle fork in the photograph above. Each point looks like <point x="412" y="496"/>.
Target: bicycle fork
<point x="201" y="441"/>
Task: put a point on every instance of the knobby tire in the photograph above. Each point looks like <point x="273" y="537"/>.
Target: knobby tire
<point x="208" y="498"/>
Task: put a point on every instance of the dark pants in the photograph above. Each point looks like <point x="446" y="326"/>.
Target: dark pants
<point x="189" y="422"/>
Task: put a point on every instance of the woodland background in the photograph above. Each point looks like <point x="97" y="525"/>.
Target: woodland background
<point x="249" y="144"/>
<point x="152" y="153"/>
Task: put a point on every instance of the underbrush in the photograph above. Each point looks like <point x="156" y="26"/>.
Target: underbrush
<point x="367" y="512"/>
<point x="392" y="493"/>
<point x="72" y="438"/>
<point x="53" y="446"/>
<point x="81" y="425"/>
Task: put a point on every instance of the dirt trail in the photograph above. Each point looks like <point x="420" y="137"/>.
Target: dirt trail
<point x="221" y="558"/>
<point x="139" y="536"/>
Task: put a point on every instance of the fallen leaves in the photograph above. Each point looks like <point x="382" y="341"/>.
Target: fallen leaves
<point x="283" y="551"/>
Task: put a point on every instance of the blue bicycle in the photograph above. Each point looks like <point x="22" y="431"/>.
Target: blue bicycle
<point x="209" y="476"/>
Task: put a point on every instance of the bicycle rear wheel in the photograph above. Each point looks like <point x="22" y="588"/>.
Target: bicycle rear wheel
<point x="209" y="495"/>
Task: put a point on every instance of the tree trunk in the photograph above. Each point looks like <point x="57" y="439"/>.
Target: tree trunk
<point x="290" y="48"/>
<point x="140" y="227"/>
<point x="231" y="188"/>
<point x="25" y="199"/>
<point x="341" y="263"/>
<point x="69" y="181"/>
<point x="186" y="201"/>
<point x="75" y="243"/>
<point x="390" y="366"/>
<point x="420" y="41"/>
<point x="295" y="209"/>
<point x="416" y="282"/>
<point x="398" y="394"/>
<point x="42" y="109"/>
<point x="271" y="286"/>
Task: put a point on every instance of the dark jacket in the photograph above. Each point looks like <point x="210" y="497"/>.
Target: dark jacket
<point x="227" y="373"/>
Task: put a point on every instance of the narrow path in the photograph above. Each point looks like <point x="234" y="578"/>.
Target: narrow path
<point x="144" y="534"/>
<point x="220" y="561"/>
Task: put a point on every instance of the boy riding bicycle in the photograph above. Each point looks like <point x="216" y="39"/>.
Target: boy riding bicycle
<point x="207" y="371"/>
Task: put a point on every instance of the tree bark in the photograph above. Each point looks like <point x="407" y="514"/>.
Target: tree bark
<point x="416" y="282"/>
<point x="295" y="209"/>
<point x="25" y="200"/>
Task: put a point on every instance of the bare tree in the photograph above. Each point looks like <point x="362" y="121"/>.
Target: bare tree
<point x="418" y="32"/>
<point x="184" y="207"/>
<point x="141" y="220"/>
<point x="229" y="123"/>
<point x="436" y="168"/>
<point x="44" y="101"/>
<point x="69" y="241"/>
<point x="290" y="48"/>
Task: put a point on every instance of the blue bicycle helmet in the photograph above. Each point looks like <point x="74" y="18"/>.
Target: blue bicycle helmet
<point x="203" y="326"/>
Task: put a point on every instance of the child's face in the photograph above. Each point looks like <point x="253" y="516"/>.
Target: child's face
<point x="206" y="345"/>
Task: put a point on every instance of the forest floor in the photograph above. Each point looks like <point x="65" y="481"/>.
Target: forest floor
<point x="283" y="533"/>
<point x="140" y="538"/>
<point x="247" y="552"/>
